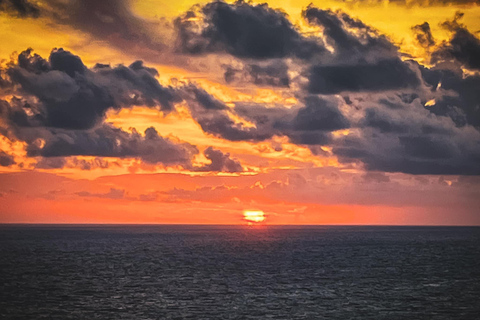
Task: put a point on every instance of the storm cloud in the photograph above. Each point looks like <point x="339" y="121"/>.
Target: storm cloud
<point x="409" y="138"/>
<point x="219" y="162"/>
<point x="108" y="141"/>
<point x="6" y="159"/>
<point x="20" y="8"/>
<point x="243" y="30"/>
<point x="112" y="21"/>
<point x="463" y="46"/>
<point x="73" y="96"/>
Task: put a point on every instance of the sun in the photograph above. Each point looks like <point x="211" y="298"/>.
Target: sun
<point x="254" y="216"/>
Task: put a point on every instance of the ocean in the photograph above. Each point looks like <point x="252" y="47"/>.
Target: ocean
<point x="239" y="272"/>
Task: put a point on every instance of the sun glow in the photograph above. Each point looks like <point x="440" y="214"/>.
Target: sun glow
<point x="256" y="216"/>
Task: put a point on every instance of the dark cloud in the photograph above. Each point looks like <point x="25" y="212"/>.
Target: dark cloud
<point x="242" y="29"/>
<point x="350" y="38"/>
<point x="422" y="3"/>
<point x="319" y="114"/>
<point x="314" y="122"/>
<point x="84" y="164"/>
<point x="51" y="163"/>
<point x="274" y="74"/>
<point x="214" y="118"/>
<point x="20" y="8"/>
<point x="423" y="35"/>
<point x="362" y="59"/>
<point x="6" y="160"/>
<point x="309" y="123"/>
<point x="108" y="141"/>
<point x="71" y="162"/>
<point x="384" y="121"/>
<point x="409" y="138"/>
<point x="463" y="46"/>
<point x="414" y="155"/>
<point x="112" y="21"/>
<point x="222" y="125"/>
<point x="204" y="99"/>
<point x="63" y="107"/>
<point x="220" y="162"/>
<point x="73" y="96"/>
<point x="458" y="94"/>
<point x="380" y="76"/>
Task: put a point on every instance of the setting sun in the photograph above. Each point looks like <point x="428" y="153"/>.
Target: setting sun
<point x="254" y="215"/>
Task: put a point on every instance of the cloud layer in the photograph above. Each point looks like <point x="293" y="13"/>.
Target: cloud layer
<point x="358" y="97"/>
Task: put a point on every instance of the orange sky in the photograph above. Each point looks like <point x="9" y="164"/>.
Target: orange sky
<point x="291" y="181"/>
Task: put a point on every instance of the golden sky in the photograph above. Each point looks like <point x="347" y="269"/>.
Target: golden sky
<point x="292" y="112"/>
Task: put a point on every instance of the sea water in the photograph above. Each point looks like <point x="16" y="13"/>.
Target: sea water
<point x="239" y="272"/>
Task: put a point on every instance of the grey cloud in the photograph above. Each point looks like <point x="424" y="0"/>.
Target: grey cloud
<point x="380" y="76"/>
<point x="314" y="122"/>
<point x="213" y="116"/>
<point x="463" y="46"/>
<point x="422" y="3"/>
<point x="309" y="123"/>
<point x="457" y="94"/>
<point x="412" y="156"/>
<point x="423" y="35"/>
<point x="71" y="162"/>
<point x="362" y="61"/>
<point x="410" y="139"/>
<point x="110" y="20"/>
<point x="319" y="115"/>
<point x="243" y="30"/>
<point x="6" y="160"/>
<point x="73" y="96"/>
<point x="351" y="39"/>
<point x="274" y="74"/>
<point x="108" y="141"/>
<point x="51" y="163"/>
<point x="220" y="162"/>
<point x="20" y="8"/>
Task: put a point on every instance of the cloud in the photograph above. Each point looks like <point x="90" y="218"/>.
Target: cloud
<point x="351" y="39"/>
<point x="423" y="35"/>
<point x="243" y="30"/>
<point x="114" y="194"/>
<point x="422" y="3"/>
<point x="213" y="116"/>
<point x="313" y="122"/>
<point x="308" y="123"/>
<point x="112" y="21"/>
<point x="457" y="95"/>
<point x="108" y="141"/>
<point x="6" y="160"/>
<point x="381" y="76"/>
<point x="406" y="137"/>
<point x="71" y="162"/>
<point x="51" y="163"/>
<point x="220" y="162"/>
<point x="20" y="8"/>
<point x="273" y="74"/>
<point x="63" y="104"/>
<point x="73" y="96"/>
<point x="377" y="177"/>
<point x="362" y="59"/>
<point x="463" y="46"/>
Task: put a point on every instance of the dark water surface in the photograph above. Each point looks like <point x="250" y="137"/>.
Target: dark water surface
<point x="212" y="272"/>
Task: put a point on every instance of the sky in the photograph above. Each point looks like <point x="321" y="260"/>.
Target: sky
<point x="357" y="112"/>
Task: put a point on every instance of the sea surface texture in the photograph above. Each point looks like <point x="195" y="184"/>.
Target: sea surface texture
<point x="259" y="272"/>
